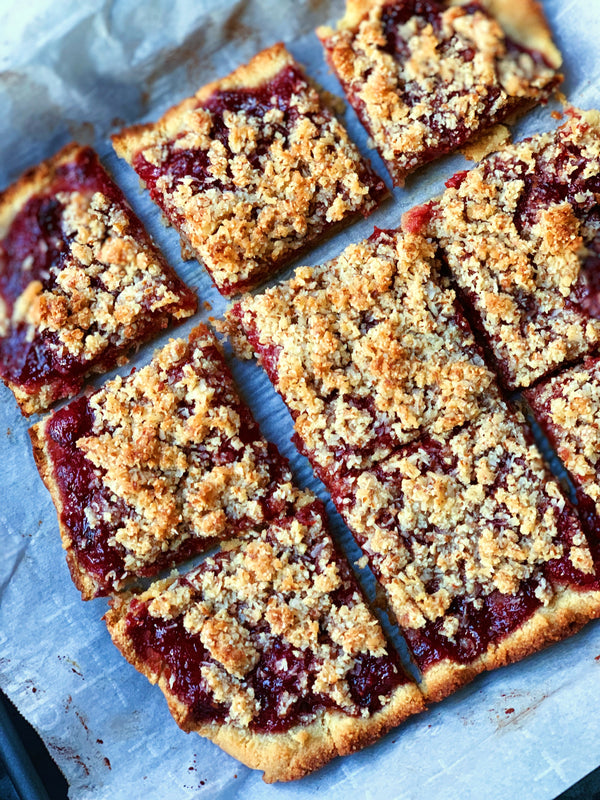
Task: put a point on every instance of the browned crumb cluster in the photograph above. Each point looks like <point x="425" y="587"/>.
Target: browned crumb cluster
<point x="520" y="235"/>
<point x="268" y="169"/>
<point x="426" y="77"/>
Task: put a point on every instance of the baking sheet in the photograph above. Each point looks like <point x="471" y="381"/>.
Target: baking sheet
<point x="81" y="70"/>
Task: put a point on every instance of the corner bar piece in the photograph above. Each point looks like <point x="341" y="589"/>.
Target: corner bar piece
<point x="567" y="407"/>
<point x="158" y="466"/>
<point x="482" y="558"/>
<point x="269" y="650"/>
<point x="252" y="170"/>
<point x="521" y="235"/>
<point x="426" y="76"/>
<point x="81" y="282"/>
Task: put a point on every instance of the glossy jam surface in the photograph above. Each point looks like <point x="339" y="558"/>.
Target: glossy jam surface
<point x="498" y="616"/>
<point x="283" y="677"/>
<point x="36" y="248"/>
<point x="80" y="485"/>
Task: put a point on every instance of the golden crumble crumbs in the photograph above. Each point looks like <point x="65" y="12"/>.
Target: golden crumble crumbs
<point x="518" y="251"/>
<point x="273" y="180"/>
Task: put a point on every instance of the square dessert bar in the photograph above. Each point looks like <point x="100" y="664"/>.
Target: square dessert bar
<point x="426" y="76"/>
<point x="81" y="282"/>
<point x="153" y="468"/>
<point x="481" y="556"/>
<point x="369" y="351"/>
<point x="567" y="407"/>
<point x="251" y="170"/>
<point x="521" y="235"/>
<point x="270" y="650"/>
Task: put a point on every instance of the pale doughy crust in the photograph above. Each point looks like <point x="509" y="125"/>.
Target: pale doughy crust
<point x="82" y="579"/>
<point x="282" y="756"/>
<point x="566" y="615"/>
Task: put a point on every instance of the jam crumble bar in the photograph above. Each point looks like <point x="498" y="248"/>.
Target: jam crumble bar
<point x="251" y="170"/>
<point x="80" y="280"/>
<point x="158" y="466"/>
<point x="368" y="351"/>
<point x="481" y="556"/>
<point x="269" y="650"/>
<point x="521" y="235"/>
<point x="425" y="76"/>
<point x="567" y="407"/>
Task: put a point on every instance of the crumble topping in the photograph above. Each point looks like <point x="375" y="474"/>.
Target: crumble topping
<point x="251" y="175"/>
<point x="425" y="77"/>
<point x="286" y="587"/>
<point x="459" y="515"/>
<point x="568" y="405"/>
<point x="369" y="351"/>
<point x="178" y="456"/>
<point x="520" y="234"/>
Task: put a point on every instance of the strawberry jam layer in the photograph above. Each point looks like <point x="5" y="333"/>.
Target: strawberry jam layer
<point x="181" y="164"/>
<point x="85" y="496"/>
<point x="37" y="248"/>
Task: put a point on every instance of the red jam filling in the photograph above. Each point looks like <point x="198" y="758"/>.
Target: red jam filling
<point x="81" y="487"/>
<point x="37" y="238"/>
<point x="283" y="678"/>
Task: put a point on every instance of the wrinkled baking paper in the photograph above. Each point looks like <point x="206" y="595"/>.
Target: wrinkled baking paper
<point x="81" y="70"/>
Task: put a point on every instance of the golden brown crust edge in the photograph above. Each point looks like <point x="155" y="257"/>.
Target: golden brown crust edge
<point x="525" y="22"/>
<point x="261" y="68"/>
<point x="563" y="618"/>
<point x="86" y="585"/>
<point x="281" y="756"/>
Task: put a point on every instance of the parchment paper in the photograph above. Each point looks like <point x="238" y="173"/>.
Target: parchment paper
<point x="81" y="70"/>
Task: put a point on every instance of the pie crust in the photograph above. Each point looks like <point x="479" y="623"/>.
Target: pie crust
<point x="426" y="76"/>
<point x="156" y="467"/>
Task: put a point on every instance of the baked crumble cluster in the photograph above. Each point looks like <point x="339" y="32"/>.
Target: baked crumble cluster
<point x="251" y="170"/>
<point x="425" y="76"/>
<point x="157" y="466"/>
<point x="567" y="406"/>
<point x="266" y="637"/>
<point x="453" y="507"/>
<point x="81" y="282"/>
<point x="521" y="235"/>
